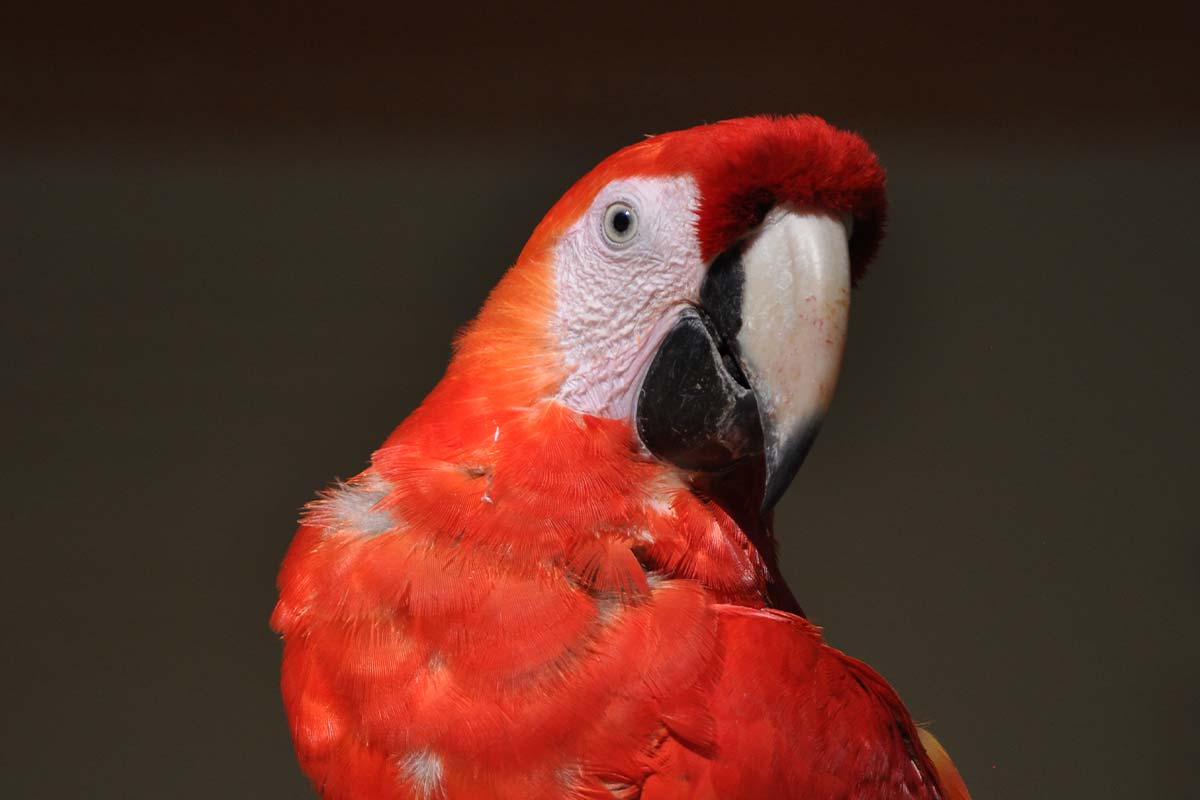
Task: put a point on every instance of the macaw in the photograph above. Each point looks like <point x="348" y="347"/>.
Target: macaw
<point x="557" y="578"/>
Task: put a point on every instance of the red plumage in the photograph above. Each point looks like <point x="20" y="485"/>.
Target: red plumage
<point x="512" y="601"/>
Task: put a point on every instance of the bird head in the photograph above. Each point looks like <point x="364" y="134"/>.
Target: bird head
<point x="696" y="285"/>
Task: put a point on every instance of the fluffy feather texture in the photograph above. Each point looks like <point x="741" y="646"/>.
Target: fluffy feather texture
<point x="512" y="601"/>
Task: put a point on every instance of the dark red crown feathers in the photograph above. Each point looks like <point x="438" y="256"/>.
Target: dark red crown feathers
<point x="746" y="166"/>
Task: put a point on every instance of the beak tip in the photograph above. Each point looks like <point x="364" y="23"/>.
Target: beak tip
<point x="784" y="457"/>
<point x="769" y="501"/>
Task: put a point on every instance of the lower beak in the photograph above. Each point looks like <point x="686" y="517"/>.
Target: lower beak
<point x="752" y="370"/>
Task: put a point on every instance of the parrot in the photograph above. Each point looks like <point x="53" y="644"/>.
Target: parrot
<point x="558" y="577"/>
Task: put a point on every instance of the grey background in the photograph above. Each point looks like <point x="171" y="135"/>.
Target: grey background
<point x="237" y="243"/>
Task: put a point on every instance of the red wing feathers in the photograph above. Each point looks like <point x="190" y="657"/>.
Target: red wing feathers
<point x="795" y="719"/>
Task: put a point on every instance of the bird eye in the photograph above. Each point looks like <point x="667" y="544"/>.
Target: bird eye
<point x="620" y="223"/>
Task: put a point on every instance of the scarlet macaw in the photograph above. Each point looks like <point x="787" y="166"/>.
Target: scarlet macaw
<point x="557" y="578"/>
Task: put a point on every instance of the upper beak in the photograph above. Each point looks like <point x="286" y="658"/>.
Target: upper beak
<point x="752" y="369"/>
<point x="795" y="307"/>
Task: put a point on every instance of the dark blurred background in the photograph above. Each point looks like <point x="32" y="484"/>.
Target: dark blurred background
<point x="237" y="241"/>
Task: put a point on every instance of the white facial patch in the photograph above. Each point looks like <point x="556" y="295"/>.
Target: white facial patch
<point x="616" y="301"/>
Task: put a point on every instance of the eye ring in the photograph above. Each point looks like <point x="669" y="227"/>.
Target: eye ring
<point x="620" y="223"/>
